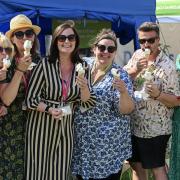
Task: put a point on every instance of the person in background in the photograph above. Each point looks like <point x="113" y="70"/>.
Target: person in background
<point x="13" y="93"/>
<point x="6" y="49"/>
<point x="102" y="139"/>
<point x="174" y="173"/>
<point x="54" y="90"/>
<point x="151" y="121"/>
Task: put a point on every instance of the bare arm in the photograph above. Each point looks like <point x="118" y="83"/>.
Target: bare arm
<point x="82" y="83"/>
<point x="169" y="100"/>
<point x="10" y="90"/>
<point x="137" y="68"/>
<point x="126" y="103"/>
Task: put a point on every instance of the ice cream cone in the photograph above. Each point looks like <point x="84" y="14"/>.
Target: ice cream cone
<point x="27" y="47"/>
<point x="6" y="63"/>
<point x="80" y="69"/>
<point x="147" y="53"/>
<point x="115" y="73"/>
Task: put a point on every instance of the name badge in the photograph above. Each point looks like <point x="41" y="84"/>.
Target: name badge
<point x="66" y="110"/>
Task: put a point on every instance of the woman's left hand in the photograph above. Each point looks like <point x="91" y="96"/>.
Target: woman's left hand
<point x="152" y="90"/>
<point x="119" y="85"/>
<point x="81" y="82"/>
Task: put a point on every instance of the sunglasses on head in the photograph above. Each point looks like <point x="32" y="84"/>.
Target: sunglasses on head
<point x="20" y="34"/>
<point x="8" y="50"/>
<point x="150" y="40"/>
<point x="102" y="48"/>
<point x="62" y="38"/>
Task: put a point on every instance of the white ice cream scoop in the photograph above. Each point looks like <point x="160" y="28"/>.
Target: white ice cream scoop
<point x="6" y="63"/>
<point x="80" y="69"/>
<point x="27" y="47"/>
<point x="115" y="73"/>
<point x="147" y="52"/>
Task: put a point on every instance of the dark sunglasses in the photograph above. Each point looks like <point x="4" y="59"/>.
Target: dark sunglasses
<point x="20" y="34"/>
<point x="8" y="50"/>
<point x="102" y="48"/>
<point x="62" y="38"/>
<point x="150" y="40"/>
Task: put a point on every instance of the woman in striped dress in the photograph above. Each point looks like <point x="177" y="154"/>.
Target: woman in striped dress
<point x="53" y="92"/>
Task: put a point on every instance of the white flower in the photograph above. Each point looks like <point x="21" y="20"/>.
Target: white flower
<point x="148" y="76"/>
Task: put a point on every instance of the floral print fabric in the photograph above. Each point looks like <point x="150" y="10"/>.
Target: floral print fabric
<point x="12" y="129"/>
<point x="102" y="135"/>
<point x="152" y="118"/>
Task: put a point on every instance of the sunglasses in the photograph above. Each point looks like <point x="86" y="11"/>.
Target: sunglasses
<point x="102" y="48"/>
<point x="62" y="38"/>
<point x="7" y="50"/>
<point x="150" y="40"/>
<point x="20" y="34"/>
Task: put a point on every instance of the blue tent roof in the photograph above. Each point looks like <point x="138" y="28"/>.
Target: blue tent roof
<point x="125" y="15"/>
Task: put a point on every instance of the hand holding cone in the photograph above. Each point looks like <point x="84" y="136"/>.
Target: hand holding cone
<point x="80" y="69"/>
<point x="115" y="73"/>
<point x="147" y="52"/>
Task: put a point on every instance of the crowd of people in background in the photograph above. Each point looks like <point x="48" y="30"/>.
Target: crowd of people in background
<point x="64" y="114"/>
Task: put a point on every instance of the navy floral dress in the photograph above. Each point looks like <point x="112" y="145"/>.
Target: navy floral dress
<point x="102" y="138"/>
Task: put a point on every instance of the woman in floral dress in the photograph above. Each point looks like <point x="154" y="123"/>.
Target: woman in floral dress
<point x="102" y="134"/>
<point x="12" y="132"/>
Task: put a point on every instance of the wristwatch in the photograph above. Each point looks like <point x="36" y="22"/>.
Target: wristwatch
<point x="47" y="109"/>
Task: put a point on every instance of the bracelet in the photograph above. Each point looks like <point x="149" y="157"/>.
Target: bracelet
<point x="157" y="95"/>
<point x="17" y="69"/>
<point x="47" y="109"/>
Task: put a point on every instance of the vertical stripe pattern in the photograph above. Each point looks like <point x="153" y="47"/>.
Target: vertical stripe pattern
<point x="49" y="141"/>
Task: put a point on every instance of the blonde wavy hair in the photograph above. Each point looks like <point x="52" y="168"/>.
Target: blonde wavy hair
<point x="5" y="42"/>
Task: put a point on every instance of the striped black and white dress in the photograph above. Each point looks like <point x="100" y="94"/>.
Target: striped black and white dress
<point x="49" y="142"/>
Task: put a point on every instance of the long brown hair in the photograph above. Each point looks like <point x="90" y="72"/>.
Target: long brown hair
<point x="54" y="52"/>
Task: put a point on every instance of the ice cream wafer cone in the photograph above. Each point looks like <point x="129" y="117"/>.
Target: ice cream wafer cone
<point x="80" y="69"/>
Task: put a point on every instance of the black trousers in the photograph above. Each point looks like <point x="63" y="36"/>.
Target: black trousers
<point x="110" y="177"/>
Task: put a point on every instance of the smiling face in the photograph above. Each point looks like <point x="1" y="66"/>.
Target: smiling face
<point x="66" y="41"/>
<point x="105" y="52"/>
<point x="19" y="37"/>
<point x="6" y="48"/>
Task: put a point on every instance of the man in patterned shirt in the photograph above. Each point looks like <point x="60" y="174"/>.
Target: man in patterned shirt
<point x="151" y="69"/>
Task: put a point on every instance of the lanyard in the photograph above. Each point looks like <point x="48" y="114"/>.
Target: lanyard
<point x="65" y="88"/>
